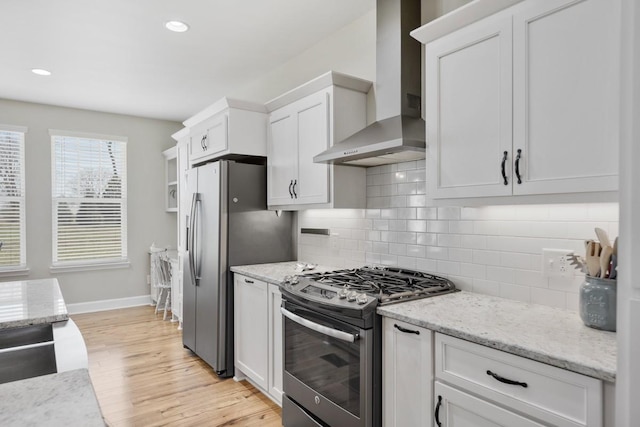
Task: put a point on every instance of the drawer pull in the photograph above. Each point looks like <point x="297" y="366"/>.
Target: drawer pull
<point x="405" y="330"/>
<point x="506" y="381"/>
<point x="437" y="414"/>
<point x="248" y="281"/>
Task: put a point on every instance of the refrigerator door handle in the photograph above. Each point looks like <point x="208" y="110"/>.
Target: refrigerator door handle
<point x="192" y="238"/>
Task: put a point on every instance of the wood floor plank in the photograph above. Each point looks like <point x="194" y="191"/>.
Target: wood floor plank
<point x="144" y="377"/>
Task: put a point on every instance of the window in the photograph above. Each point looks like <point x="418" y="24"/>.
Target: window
<point x="89" y="191"/>
<point x="12" y="229"/>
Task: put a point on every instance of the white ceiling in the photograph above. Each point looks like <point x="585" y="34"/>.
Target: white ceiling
<point x="116" y="56"/>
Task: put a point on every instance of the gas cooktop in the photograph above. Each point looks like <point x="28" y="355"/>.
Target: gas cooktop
<point x="367" y="285"/>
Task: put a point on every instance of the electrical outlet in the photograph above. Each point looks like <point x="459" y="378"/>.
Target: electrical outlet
<point x="555" y="263"/>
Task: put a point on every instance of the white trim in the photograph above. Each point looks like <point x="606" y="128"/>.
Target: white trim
<point x="89" y="135"/>
<point x="14" y="272"/>
<point x="108" y="304"/>
<point x="14" y="128"/>
<point x="73" y="267"/>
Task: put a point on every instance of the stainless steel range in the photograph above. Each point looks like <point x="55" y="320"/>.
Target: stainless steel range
<point x="333" y="342"/>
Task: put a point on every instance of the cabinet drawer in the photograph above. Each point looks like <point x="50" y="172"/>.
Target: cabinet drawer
<point x="551" y="394"/>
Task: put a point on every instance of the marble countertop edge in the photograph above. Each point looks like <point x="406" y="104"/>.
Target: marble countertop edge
<point x="527" y="352"/>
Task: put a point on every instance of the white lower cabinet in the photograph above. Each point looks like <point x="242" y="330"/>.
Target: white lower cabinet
<point x="539" y="392"/>
<point x="407" y="371"/>
<point x="258" y="334"/>
<point x="457" y="408"/>
<point x="432" y="379"/>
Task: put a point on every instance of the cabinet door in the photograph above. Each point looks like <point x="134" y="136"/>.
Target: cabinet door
<point x="209" y="138"/>
<point x="251" y="332"/>
<point x="282" y="157"/>
<point x="275" y="343"/>
<point x="312" y="117"/>
<point x="566" y="95"/>
<point x="407" y="375"/>
<point x="459" y="409"/>
<point x="468" y="110"/>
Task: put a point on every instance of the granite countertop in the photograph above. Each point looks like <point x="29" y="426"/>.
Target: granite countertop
<point x="546" y="334"/>
<point x="56" y="400"/>
<point x="31" y="302"/>
<point x="275" y="272"/>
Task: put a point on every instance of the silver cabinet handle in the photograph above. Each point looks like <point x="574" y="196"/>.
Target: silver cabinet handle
<point x="343" y="336"/>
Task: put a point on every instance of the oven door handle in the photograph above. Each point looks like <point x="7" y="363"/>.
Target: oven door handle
<point x="343" y="336"/>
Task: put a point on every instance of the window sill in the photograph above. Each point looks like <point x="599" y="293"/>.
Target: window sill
<point x="70" y="268"/>
<point x="14" y="272"/>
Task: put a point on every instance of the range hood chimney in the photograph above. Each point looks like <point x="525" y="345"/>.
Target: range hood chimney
<point x="398" y="135"/>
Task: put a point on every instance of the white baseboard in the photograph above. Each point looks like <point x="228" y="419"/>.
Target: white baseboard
<point x="108" y="304"/>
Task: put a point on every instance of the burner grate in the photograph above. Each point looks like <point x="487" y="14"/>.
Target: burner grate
<point x="387" y="284"/>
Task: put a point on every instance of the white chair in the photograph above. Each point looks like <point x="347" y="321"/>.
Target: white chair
<point x="162" y="272"/>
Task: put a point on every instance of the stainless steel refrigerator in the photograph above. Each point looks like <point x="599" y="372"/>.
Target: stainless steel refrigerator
<point x="228" y="224"/>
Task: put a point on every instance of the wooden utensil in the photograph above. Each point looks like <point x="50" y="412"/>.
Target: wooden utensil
<point x="593" y="258"/>
<point x="603" y="237"/>
<point x="605" y="259"/>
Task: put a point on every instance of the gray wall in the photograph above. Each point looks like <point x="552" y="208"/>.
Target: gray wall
<point x="147" y="220"/>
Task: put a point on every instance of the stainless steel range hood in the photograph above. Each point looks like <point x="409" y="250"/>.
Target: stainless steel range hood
<point x="398" y="135"/>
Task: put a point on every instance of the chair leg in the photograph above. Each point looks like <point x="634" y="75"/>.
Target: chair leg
<point x="159" y="299"/>
<point x="166" y="303"/>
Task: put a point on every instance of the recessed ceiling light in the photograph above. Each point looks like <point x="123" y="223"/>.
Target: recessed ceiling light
<point x="176" y="26"/>
<point x="41" y="72"/>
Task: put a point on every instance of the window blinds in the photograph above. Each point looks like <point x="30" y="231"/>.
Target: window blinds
<point x="89" y="189"/>
<point x="12" y="228"/>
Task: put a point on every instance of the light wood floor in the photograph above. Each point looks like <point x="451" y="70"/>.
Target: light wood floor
<point x="144" y="377"/>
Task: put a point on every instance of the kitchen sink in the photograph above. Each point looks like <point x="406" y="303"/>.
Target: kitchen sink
<point x="27" y="352"/>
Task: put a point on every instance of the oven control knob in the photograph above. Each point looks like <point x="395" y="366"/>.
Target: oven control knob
<point x="317" y="400"/>
<point x="361" y="299"/>
<point x="342" y="293"/>
<point x="352" y="296"/>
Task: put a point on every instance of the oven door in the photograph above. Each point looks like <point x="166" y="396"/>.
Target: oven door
<point x="328" y="368"/>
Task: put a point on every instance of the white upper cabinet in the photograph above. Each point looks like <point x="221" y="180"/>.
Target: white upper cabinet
<point x="227" y="128"/>
<point x="525" y="101"/>
<point x="566" y="57"/>
<point x="468" y="110"/>
<point x="303" y="123"/>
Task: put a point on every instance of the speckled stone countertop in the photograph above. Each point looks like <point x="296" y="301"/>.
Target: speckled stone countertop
<point x="275" y="272"/>
<point x="30" y="302"/>
<point x="56" y="400"/>
<point x="546" y="334"/>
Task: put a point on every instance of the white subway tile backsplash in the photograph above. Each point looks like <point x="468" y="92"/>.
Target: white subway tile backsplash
<point x="501" y="274"/>
<point x="427" y="213"/>
<point x="486" y="287"/>
<point x="398" y="225"/>
<point x="448" y="267"/>
<point x="449" y="240"/>
<point x="438" y="226"/>
<point x="407" y="262"/>
<point x="408" y="188"/>
<point x="426" y="265"/>
<point x="486" y="257"/>
<point x="435" y="252"/>
<point x="416" y="251"/>
<point x="495" y="250"/>
<point x="397" y="249"/>
<point x="380" y="224"/>
<point x="417" y="200"/>
<point x="548" y="297"/>
<point x="417" y="226"/>
<point x="427" y="239"/>
<point x="406" y="213"/>
<point x="515" y="292"/>
<point x="416" y="175"/>
<point x="462" y="255"/>
<point x="448" y="213"/>
<point x="477" y="271"/>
